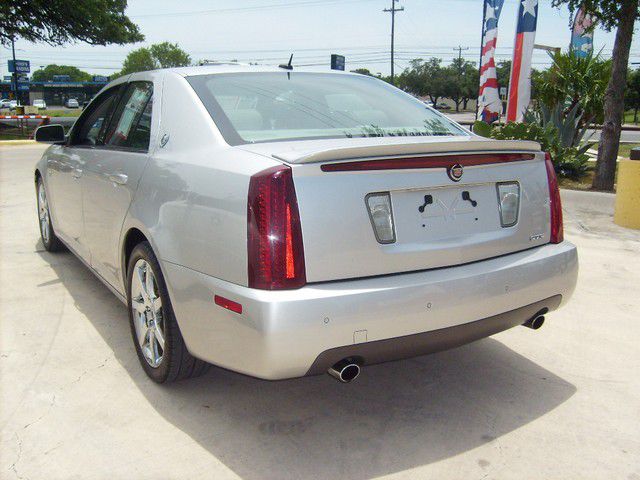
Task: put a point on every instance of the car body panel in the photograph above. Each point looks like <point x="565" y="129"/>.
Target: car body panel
<point x="280" y="334"/>
<point x="62" y="178"/>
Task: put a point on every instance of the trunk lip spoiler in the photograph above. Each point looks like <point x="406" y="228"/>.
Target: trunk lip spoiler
<point x="382" y="150"/>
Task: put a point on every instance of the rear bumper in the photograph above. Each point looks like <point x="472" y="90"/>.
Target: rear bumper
<point x="293" y="333"/>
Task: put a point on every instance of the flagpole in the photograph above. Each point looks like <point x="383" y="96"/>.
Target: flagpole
<point x="484" y="19"/>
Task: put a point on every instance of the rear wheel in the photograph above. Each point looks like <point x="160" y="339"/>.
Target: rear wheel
<point x="47" y="234"/>
<point x="156" y="335"/>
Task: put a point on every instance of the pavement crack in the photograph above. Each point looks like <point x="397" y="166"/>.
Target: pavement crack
<point x="14" y="466"/>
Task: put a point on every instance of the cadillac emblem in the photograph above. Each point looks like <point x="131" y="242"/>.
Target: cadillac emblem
<point x="455" y="172"/>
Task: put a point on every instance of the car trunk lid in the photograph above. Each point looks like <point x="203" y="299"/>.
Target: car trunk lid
<point x="439" y="221"/>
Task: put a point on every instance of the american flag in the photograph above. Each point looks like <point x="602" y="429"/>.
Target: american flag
<point x="520" y="81"/>
<point x="489" y="103"/>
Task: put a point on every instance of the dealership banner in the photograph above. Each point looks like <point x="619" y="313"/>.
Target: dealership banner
<point x="489" y="104"/>
<point x="520" y="81"/>
<point x="582" y="34"/>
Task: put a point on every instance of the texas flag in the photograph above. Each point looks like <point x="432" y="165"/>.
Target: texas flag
<point x="520" y="81"/>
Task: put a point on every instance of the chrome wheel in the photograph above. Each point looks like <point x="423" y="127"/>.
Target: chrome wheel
<point x="43" y="213"/>
<point x="146" y="306"/>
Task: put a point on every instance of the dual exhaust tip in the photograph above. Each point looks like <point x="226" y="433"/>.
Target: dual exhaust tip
<point x="534" y="322"/>
<point x="345" y="371"/>
<point x="348" y="369"/>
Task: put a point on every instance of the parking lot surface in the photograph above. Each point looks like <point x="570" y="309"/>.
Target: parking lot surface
<point x="560" y="402"/>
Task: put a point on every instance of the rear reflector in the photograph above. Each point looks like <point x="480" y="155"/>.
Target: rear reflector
<point x="228" y="304"/>
<point x="381" y="216"/>
<point x="436" y="161"/>
<point x="508" y="203"/>
<point x="557" y="230"/>
<point x="274" y="235"/>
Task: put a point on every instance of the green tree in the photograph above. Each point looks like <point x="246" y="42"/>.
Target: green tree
<point x="621" y="16"/>
<point x="632" y="95"/>
<point x="96" y="22"/>
<point x="158" y="55"/>
<point x="46" y="74"/>
<point x="470" y="83"/>
<point x="571" y="81"/>
<point x="461" y="82"/>
<point x="363" y="71"/>
<point x="503" y="72"/>
<point x="424" y="78"/>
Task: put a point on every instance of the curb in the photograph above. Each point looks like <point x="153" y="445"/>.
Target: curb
<point x="17" y="142"/>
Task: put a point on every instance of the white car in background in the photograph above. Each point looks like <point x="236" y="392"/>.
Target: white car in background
<point x="282" y="223"/>
<point x="40" y="104"/>
<point x="71" y="103"/>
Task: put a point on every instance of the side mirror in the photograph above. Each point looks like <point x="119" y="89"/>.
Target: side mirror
<point x="50" y="134"/>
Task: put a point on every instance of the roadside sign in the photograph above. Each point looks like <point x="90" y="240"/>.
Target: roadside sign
<point x="337" y="62"/>
<point x="100" y="79"/>
<point x="61" y="78"/>
<point x="6" y="78"/>
<point x="19" y="66"/>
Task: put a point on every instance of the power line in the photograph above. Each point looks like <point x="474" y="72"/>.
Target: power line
<point x="393" y="11"/>
<point x="309" y="3"/>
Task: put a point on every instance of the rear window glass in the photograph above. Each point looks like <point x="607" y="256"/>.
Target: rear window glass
<point x="261" y="107"/>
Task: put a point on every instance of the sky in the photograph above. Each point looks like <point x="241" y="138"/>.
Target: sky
<point x="268" y="31"/>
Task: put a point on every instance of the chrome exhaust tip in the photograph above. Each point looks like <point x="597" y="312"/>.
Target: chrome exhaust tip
<point x="345" y="370"/>
<point x="534" y="323"/>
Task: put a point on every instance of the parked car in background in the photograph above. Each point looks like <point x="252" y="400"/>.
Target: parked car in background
<point x="440" y="106"/>
<point x="281" y="223"/>
<point x="40" y="104"/>
<point x="71" y="103"/>
<point x="13" y="104"/>
<point x="5" y="103"/>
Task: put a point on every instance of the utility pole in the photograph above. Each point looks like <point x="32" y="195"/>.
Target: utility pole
<point x="460" y="49"/>
<point x="393" y="11"/>
<point x="14" y="75"/>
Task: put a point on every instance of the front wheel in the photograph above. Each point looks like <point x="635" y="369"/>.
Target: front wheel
<point x="47" y="234"/>
<point x="156" y="335"/>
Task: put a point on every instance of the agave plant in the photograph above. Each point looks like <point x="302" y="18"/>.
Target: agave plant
<point x="568" y="121"/>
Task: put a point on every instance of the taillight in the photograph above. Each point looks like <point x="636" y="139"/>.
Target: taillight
<point x="275" y="251"/>
<point x="557" y="230"/>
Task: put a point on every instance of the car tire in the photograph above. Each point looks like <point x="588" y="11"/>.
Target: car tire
<point x="48" y="236"/>
<point x="154" y="329"/>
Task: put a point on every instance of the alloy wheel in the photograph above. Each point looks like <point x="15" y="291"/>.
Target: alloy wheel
<point x="43" y="213"/>
<point x="146" y="306"/>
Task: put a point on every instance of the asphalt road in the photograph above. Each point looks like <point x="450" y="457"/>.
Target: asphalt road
<point x="561" y="402"/>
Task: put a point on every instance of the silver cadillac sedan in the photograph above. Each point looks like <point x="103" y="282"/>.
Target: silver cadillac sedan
<point x="283" y="223"/>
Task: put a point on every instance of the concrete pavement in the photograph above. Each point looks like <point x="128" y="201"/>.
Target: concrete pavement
<point x="561" y="402"/>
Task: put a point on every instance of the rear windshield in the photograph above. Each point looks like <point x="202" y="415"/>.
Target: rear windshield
<point x="276" y="106"/>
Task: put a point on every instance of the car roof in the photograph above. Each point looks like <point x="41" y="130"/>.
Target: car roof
<point x="217" y="68"/>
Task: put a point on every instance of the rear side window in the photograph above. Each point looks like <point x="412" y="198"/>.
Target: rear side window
<point x="131" y="123"/>
<point x="91" y="125"/>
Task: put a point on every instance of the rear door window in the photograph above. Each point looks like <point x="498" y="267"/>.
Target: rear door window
<point x="130" y="126"/>
<point x="89" y="130"/>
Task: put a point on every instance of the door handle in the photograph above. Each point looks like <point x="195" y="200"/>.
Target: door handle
<point x="119" y="178"/>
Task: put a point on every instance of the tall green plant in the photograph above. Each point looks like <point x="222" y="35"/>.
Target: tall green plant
<point x="574" y="82"/>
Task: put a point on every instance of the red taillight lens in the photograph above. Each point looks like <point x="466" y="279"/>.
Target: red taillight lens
<point x="275" y="251"/>
<point x="557" y="230"/>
